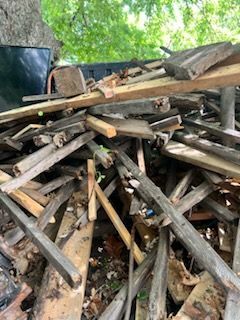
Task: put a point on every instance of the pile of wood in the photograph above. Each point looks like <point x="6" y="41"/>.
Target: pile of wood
<point x="145" y="151"/>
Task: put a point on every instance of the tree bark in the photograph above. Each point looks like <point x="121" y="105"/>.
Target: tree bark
<point x="22" y="25"/>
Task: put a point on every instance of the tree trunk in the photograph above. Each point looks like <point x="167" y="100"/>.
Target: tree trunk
<point x="22" y="25"/>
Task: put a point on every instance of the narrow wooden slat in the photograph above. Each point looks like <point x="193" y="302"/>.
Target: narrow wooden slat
<point x="112" y="214"/>
<point x="92" y="209"/>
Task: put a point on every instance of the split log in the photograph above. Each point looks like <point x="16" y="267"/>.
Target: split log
<point x="48" y="162"/>
<point x="201" y="159"/>
<point x="101" y="126"/>
<point x="194" y="141"/>
<point x="198" y="247"/>
<point x="230" y="134"/>
<point x="117" y="306"/>
<point x="92" y="209"/>
<point x="218" y="77"/>
<point x="189" y="64"/>
<point x="131" y="127"/>
<point x="156" y="105"/>
<point x="125" y="235"/>
<point x="51" y="252"/>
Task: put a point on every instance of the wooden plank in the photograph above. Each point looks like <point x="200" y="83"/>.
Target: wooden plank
<point x="92" y="208"/>
<point x="112" y="214"/>
<point x="42" y="97"/>
<point x="101" y="126"/>
<point x="51" y="252"/>
<point x="67" y="305"/>
<point x="32" y="159"/>
<point x="201" y="159"/>
<point x="219" y="77"/>
<point x="189" y="64"/>
<point x="198" y="247"/>
<point x="49" y="161"/>
<point x="131" y="127"/>
<point x="155" y="105"/>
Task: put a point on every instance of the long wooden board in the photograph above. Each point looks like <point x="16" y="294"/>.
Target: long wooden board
<point x="202" y="159"/>
<point x="219" y="77"/>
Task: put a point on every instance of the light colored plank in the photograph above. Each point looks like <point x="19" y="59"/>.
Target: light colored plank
<point x="219" y="77"/>
<point x="118" y="224"/>
<point x="201" y="159"/>
<point x="101" y="126"/>
<point x="23" y="199"/>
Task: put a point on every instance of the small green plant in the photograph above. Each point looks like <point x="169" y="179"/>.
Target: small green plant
<point x="142" y="295"/>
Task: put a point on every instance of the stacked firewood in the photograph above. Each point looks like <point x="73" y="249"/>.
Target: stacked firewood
<point x="168" y="148"/>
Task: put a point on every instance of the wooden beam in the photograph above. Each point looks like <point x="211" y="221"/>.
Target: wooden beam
<point x="100" y="154"/>
<point x="131" y="127"/>
<point x="158" y="293"/>
<point x="155" y="105"/>
<point x="51" y="252"/>
<point x="112" y="214"/>
<point x="201" y="159"/>
<point x="101" y="126"/>
<point x="219" y="77"/>
<point x="54" y="184"/>
<point x="49" y="161"/>
<point x="227" y="114"/>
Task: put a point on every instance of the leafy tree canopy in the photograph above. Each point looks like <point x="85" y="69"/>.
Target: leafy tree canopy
<point x="110" y="30"/>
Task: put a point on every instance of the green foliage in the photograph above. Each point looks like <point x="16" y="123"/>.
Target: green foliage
<point x="110" y="30"/>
